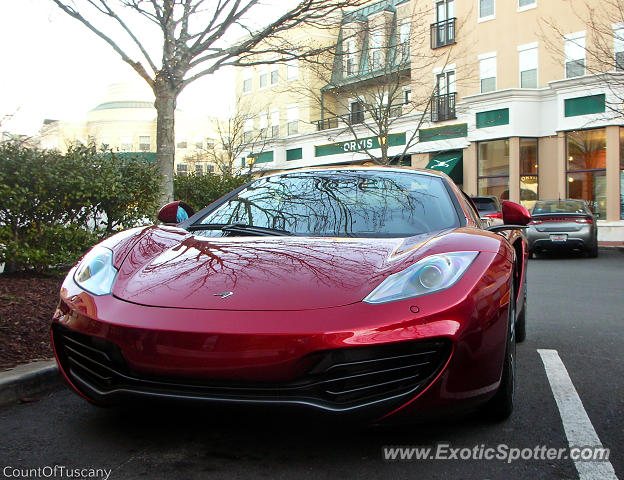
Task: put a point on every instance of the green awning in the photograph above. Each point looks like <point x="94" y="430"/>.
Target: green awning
<point x="450" y="163"/>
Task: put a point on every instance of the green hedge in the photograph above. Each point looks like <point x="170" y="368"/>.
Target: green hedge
<point x="201" y="190"/>
<point x="54" y="206"/>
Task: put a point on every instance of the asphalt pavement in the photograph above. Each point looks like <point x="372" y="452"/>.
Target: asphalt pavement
<point x="576" y="308"/>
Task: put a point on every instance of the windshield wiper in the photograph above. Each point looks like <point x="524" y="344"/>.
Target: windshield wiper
<point x="241" y="227"/>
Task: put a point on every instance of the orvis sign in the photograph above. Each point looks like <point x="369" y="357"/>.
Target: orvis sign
<point x="369" y="143"/>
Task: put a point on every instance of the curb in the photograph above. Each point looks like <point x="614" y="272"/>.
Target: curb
<point x="28" y="380"/>
<point x="611" y="248"/>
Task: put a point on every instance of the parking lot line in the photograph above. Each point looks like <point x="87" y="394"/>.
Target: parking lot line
<point x="578" y="427"/>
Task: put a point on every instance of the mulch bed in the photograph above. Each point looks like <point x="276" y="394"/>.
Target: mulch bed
<point x="27" y="303"/>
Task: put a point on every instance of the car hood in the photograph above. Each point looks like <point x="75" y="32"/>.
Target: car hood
<point x="169" y="267"/>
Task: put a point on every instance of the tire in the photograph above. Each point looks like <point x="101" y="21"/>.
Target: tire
<point x="521" y="324"/>
<point x="500" y="406"/>
<point x="521" y="321"/>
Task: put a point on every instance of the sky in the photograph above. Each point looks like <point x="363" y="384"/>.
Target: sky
<point x="54" y="67"/>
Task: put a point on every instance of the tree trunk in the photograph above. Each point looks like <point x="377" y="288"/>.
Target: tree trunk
<point x="165" y="137"/>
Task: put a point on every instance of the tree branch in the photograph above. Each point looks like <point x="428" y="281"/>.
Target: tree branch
<point x="137" y="66"/>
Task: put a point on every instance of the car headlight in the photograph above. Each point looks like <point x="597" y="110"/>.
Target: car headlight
<point x="428" y="275"/>
<point x="96" y="272"/>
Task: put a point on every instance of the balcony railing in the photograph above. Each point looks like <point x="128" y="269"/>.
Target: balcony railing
<point x="353" y="118"/>
<point x="443" y="33"/>
<point x="443" y="107"/>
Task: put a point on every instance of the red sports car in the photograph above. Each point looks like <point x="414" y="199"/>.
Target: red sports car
<point x="347" y="290"/>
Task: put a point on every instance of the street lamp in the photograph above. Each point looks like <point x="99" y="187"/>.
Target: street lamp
<point x="250" y="162"/>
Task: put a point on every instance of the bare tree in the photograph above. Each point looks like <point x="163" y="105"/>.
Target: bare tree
<point x="368" y="83"/>
<point x="603" y="45"/>
<point x="231" y="138"/>
<point x="195" y="43"/>
<point x="234" y="138"/>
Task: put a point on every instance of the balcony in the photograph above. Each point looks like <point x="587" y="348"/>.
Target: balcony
<point x="443" y="33"/>
<point x="354" y="118"/>
<point x="443" y="107"/>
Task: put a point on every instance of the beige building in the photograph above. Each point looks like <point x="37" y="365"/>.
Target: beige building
<point x="520" y="108"/>
<point x="125" y="120"/>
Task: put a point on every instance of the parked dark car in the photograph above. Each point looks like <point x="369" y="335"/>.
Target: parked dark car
<point x="562" y="225"/>
<point x="490" y="209"/>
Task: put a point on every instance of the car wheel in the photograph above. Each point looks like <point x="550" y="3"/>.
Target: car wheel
<point x="521" y="325"/>
<point x="521" y="321"/>
<point x="499" y="408"/>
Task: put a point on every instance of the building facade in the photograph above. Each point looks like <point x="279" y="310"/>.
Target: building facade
<point x="521" y="106"/>
<point x="125" y="120"/>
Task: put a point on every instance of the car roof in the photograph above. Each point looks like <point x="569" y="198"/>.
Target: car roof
<point x="364" y="168"/>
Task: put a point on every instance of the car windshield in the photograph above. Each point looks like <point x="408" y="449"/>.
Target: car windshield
<point x="559" y="206"/>
<point x="344" y="203"/>
<point x="485" y="205"/>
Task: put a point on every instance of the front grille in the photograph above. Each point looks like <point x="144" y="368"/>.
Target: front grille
<point x="340" y="379"/>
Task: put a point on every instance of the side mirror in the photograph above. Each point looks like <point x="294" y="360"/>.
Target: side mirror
<point x="175" y="212"/>
<point x="515" y="214"/>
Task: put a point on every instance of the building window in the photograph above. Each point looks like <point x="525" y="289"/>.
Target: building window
<point x="292" y="119"/>
<point x="493" y="168"/>
<point x="349" y="58"/>
<point x="404" y="40"/>
<point x="126" y="143"/>
<point x="274" y="74"/>
<point x="264" y="76"/>
<point x="443" y="104"/>
<point x="486" y="9"/>
<point x="144" y="143"/>
<point x="527" y="61"/>
<point x="586" y="152"/>
<point x="376" y="44"/>
<point x="292" y="70"/>
<point x="247" y="80"/>
<point x="357" y="113"/>
<point x="199" y="169"/>
<point x="407" y="95"/>
<point x="275" y="124"/>
<point x="574" y="55"/>
<point x="443" y="31"/>
<point x="526" y="4"/>
<point x="618" y="45"/>
<point x="248" y="130"/>
<point x="182" y="145"/>
<point x="182" y="169"/>
<point x="487" y="72"/>
<point x="210" y="168"/>
<point x="528" y="172"/>
<point x="264" y="124"/>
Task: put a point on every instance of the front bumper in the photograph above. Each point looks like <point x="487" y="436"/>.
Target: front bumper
<point x="376" y="358"/>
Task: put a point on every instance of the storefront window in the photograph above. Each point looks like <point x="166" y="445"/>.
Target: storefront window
<point x="586" y="171"/>
<point x="493" y="168"/>
<point x="528" y="172"/>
